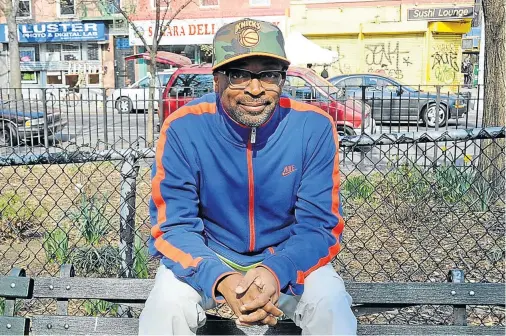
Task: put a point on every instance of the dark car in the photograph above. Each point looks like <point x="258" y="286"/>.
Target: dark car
<point x="24" y="121"/>
<point x="392" y="100"/>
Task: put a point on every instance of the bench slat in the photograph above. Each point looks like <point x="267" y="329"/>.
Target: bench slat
<point x="129" y="326"/>
<point x="14" y="287"/>
<point x="14" y="325"/>
<point x="137" y="290"/>
<point x="410" y="329"/>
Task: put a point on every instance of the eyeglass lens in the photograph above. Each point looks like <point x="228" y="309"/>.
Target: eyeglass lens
<point x="243" y="77"/>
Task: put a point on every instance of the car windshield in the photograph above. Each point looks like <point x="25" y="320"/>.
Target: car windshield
<point x="324" y="84"/>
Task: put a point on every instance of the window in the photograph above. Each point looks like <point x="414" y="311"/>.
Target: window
<point x="254" y="3"/>
<point x="28" y="77"/>
<point x="25" y="9"/>
<point x="71" y="52"/>
<point x="93" y="52"/>
<point x="93" y="79"/>
<point x="298" y="88"/>
<point x="28" y="54"/>
<point x="67" y="8"/>
<point x="209" y="3"/>
<point x="53" y="52"/>
<point x="194" y="84"/>
<point x="162" y="3"/>
<point x="54" y="78"/>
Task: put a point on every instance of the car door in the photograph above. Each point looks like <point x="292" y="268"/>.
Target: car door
<point x="381" y="94"/>
<point x="139" y="94"/>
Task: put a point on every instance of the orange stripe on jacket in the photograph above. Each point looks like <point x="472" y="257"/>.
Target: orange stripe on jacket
<point x="163" y="246"/>
<point x="338" y="229"/>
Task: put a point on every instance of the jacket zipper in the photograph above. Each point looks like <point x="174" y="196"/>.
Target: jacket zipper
<point x="251" y="189"/>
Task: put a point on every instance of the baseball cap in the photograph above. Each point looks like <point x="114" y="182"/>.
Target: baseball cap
<point x="247" y="38"/>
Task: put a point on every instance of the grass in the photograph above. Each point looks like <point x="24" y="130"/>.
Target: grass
<point x="18" y="217"/>
<point x="56" y="246"/>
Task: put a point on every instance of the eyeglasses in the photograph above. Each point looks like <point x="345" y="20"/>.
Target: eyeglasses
<point x="241" y="78"/>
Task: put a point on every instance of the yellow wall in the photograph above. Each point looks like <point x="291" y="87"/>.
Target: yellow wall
<point x="380" y="39"/>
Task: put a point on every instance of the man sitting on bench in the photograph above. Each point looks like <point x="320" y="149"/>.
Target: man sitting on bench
<point x="245" y="204"/>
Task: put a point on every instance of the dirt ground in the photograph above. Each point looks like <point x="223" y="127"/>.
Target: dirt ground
<point x="384" y="240"/>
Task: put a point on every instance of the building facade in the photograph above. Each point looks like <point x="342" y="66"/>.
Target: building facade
<point x="191" y="32"/>
<point x="414" y="42"/>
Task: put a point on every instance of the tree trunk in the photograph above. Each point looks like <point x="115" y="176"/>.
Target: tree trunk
<point x="14" y="66"/>
<point x="491" y="162"/>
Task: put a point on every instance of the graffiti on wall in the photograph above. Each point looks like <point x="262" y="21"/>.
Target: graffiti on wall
<point x="341" y="67"/>
<point x="387" y="58"/>
<point x="445" y="64"/>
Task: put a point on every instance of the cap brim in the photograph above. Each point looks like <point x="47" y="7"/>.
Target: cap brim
<point x="238" y="57"/>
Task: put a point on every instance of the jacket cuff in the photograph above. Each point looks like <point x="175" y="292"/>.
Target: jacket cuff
<point x="282" y="268"/>
<point x="210" y="276"/>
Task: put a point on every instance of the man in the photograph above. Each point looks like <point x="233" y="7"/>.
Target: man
<point x="245" y="204"/>
<point x="325" y="73"/>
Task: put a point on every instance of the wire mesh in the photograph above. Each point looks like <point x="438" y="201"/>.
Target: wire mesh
<point x="417" y="204"/>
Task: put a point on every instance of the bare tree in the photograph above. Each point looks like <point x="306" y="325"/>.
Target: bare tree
<point x="494" y="107"/>
<point x="9" y="8"/>
<point x="165" y="12"/>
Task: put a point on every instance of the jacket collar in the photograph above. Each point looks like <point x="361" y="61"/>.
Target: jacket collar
<point x="240" y="134"/>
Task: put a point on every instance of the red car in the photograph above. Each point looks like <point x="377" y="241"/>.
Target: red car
<point x="190" y="82"/>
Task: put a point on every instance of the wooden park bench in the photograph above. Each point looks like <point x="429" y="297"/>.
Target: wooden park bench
<point x="369" y="298"/>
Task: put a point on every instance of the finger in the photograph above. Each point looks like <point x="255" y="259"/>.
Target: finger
<point x="273" y="310"/>
<point x="270" y="320"/>
<point x="260" y="301"/>
<point x="246" y="281"/>
<point x="257" y="315"/>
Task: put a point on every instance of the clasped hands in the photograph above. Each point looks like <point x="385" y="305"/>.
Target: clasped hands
<point x="253" y="297"/>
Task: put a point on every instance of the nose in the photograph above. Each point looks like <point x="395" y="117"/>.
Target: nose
<point x="254" y="87"/>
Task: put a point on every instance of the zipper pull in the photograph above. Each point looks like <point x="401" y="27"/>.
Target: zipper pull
<point x="253" y="138"/>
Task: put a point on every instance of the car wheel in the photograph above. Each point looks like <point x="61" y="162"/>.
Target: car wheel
<point x="429" y="115"/>
<point x="7" y="137"/>
<point x="124" y="105"/>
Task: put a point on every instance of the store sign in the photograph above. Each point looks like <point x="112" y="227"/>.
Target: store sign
<point x="436" y="14"/>
<point x="58" y="32"/>
<point x="187" y="32"/>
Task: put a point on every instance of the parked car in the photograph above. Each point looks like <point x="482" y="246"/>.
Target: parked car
<point x="190" y="82"/>
<point x="392" y="100"/>
<point x="136" y="96"/>
<point x="22" y="121"/>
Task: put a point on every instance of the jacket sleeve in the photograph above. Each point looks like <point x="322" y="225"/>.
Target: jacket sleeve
<point x="177" y="231"/>
<point x="316" y="235"/>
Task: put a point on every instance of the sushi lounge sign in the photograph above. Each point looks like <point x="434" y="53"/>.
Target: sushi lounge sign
<point x="452" y="13"/>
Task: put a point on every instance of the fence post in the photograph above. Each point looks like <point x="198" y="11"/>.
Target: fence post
<point x="438" y="104"/>
<point x="104" y="107"/>
<point x="459" y="311"/>
<point x="129" y="171"/>
<point x="160" y="110"/>
<point x="44" y="107"/>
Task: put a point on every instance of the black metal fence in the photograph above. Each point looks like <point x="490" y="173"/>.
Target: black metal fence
<point x="423" y="206"/>
<point x="52" y="118"/>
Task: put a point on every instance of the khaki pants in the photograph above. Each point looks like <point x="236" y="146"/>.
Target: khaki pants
<point x="175" y="308"/>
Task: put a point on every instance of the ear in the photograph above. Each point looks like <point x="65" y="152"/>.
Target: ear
<point x="215" y="82"/>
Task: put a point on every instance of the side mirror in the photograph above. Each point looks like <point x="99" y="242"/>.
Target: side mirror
<point x="400" y="91"/>
<point x="174" y="92"/>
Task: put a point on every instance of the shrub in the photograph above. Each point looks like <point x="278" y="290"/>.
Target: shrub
<point x="18" y="219"/>
<point x="100" y="308"/>
<point x="141" y="258"/>
<point x="357" y="187"/>
<point x="56" y="246"/>
<point x="90" y="218"/>
<point x="96" y="260"/>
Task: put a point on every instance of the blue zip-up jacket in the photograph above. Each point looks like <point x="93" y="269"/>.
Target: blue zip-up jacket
<point x="268" y="194"/>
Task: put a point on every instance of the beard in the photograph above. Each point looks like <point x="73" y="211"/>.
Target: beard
<point x="240" y="114"/>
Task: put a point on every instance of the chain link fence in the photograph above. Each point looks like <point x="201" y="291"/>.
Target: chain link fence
<point x="417" y="205"/>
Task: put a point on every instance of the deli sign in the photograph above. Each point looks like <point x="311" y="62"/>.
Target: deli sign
<point x="190" y="31"/>
<point x="443" y="14"/>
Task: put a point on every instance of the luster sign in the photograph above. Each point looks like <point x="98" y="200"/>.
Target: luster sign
<point x="57" y="32"/>
<point x="61" y="32"/>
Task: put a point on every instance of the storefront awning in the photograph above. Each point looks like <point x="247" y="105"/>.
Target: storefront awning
<point x="163" y="57"/>
<point x="301" y="51"/>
